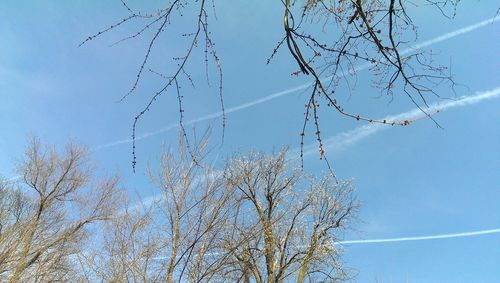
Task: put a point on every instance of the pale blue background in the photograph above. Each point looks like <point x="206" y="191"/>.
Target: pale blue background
<point x="412" y="181"/>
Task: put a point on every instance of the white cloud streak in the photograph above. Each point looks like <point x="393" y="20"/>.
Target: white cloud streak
<point x="348" y="138"/>
<point x="404" y="239"/>
<point x="420" y="238"/>
<point x="264" y="99"/>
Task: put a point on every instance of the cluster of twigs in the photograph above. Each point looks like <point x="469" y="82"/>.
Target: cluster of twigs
<point x="371" y="32"/>
<point x="158" y="22"/>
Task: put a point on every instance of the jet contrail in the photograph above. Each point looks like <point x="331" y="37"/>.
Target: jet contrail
<point x="403" y="239"/>
<point x="345" y="139"/>
<point x="218" y="114"/>
<point x="420" y="238"/>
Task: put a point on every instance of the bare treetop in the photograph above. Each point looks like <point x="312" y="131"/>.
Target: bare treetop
<point x="45" y="217"/>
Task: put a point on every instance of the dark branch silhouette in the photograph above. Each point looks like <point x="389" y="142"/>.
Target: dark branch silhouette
<point x="371" y="32"/>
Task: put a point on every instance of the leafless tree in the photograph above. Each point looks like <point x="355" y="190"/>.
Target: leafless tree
<point x="258" y="220"/>
<point x="174" y="238"/>
<point x="286" y="223"/>
<point x="196" y="205"/>
<point x="46" y="216"/>
<point x="123" y="250"/>
<point x="325" y="38"/>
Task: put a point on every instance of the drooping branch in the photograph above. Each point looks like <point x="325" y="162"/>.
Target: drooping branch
<point x="371" y="32"/>
<point x="361" y="26"/>
<point x="158" y="22"/>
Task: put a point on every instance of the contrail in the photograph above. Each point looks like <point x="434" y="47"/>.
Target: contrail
<point x="208" y="116"/>
<point x="403" y="239"/>
<point x="264" y="99"/>
<point x="345" y="139"/>
<point x="420" y="238"/>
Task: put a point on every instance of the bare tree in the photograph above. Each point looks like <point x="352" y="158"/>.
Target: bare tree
<point x="176" y="237"/>
<point x="286" y="223"/>
<point x="128" y="249"/>
<point x="325" y="38"/>
<point x="196" y="206"/>
<point x="46" y="216"/>
<point x="258" y="220"/>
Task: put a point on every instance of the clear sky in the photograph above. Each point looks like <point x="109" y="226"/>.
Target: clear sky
<point x="412" y="181"/>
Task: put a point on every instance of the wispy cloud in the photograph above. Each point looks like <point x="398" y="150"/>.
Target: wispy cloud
<point x="420" y="238"/>
<point x="272" y="96"/>
<point x="348" y="138"/>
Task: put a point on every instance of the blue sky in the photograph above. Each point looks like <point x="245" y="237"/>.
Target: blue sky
<point x="412" y="181"/>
